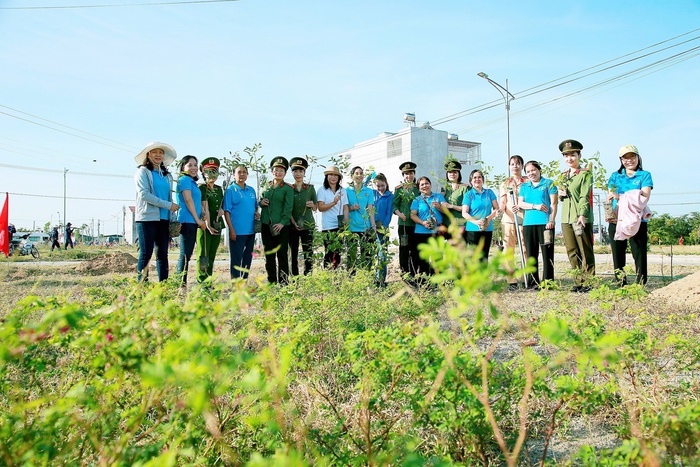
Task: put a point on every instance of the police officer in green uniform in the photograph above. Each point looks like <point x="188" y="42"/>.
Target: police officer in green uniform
<point x="303" y="224"/>
<point x="404" y="195"/>
<point x="577" y="214"/>
<point x="277" y="201"/>
<point x="212" y="197"/>
<point x="454" y="192"/>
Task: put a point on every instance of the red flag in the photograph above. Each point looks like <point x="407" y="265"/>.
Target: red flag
<point x="4" y="233"/>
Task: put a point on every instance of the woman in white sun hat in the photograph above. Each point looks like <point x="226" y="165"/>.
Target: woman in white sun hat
<point x="153" y="206"/>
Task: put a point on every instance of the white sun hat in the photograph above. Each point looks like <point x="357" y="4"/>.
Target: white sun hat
<point x="170" y="154"/>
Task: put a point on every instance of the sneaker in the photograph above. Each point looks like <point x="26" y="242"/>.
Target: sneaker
<point x="576" y="288"/>
<point x="513" y="287"/>
<point x="585" y="289"/>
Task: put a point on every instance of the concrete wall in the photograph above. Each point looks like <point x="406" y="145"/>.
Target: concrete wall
<point x="428" y="148"/>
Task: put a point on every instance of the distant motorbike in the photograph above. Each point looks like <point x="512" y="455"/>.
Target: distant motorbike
<point x="24" y="247"/>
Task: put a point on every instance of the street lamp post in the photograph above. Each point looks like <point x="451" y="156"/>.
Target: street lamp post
<point x="65" y="171"/>
<point x="507" y="97"/>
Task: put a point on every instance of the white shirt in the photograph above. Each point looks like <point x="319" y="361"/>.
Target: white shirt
<point x="329" y="219"/>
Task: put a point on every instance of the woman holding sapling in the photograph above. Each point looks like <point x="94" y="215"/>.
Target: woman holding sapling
<point x="191" y="217"/>
<point x="630" y="188"/>
<point x="538" y="200"/>
<point x="577" y="214"/>
<point x="427" y="213"/>
<point x="479" y="207"/>
<point x="333" y="206"/>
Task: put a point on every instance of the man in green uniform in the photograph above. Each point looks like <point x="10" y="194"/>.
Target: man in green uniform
<point x="404" y="195"/>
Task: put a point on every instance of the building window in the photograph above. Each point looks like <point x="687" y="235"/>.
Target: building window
<point x="393" y="147"/>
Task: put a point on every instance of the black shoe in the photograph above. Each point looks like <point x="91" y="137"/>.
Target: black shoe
<point x="513" y="287"/>
<point x="585" y="289"/>
<point x="576" y="288"/>
<point x="534" y="288"/>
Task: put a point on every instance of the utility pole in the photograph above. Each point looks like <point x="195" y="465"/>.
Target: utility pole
<point x="65" y="171"/>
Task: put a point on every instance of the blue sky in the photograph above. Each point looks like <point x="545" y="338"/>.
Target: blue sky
<point x="317" y="77"/>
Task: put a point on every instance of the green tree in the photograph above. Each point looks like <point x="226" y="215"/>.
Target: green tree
<point x="666" y="230"/>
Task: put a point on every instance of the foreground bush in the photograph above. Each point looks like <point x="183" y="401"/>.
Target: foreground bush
<point x="332" y="371"/>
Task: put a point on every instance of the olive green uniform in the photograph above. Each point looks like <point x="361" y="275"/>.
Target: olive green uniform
<point x="207" y="243"/>
<point x="577" y="203"/>
<point x="304" y="218"/>
<point x="404" y="195"/>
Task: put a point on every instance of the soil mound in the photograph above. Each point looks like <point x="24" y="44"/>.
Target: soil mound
<point x="684" y="292"/>
<point x="109" y="263"/>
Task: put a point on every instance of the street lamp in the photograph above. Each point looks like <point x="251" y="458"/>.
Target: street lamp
<point x="507" y="97"/>
<point x="65" y="171"/>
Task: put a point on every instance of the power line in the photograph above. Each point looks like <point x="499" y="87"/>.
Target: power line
<point x="36" y="169"/>
<point x="71" y="197"/>
<point x="61" y="131"/>
<point x="66" y="7"/>
<point x="527" y="93"/>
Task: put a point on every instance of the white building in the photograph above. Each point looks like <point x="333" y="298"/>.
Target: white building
<point x="426" y="147"/>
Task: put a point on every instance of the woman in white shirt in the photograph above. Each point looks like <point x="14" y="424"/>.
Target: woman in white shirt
<point x="333" y="206"/>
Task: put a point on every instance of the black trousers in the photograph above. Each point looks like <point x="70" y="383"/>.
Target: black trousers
<point x="306" y="237"/>
<point x="638" y="245"/>
<point x="423" y="266"/>
<point x="276" y="251"/>
<point x="473" y="238"/>
<point x="408" y="254"/>
<point x="534" y="239"/>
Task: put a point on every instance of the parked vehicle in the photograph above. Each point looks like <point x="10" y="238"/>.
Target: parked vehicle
<point x="23" y="247"/>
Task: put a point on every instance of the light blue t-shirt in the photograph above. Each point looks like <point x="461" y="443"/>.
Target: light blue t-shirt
<point x="539" y="194"/>
<point x="622" y="183"/>
<point x="187" y="183"/>
<point x="480" y="206"/>
<point x="161" y="188"/>
<point x="420" y="205"/>
<point x="359" y="220"/>
<point x="241" y="204"/>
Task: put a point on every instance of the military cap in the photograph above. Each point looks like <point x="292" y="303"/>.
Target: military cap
<point x="452" y="165"/>
<point x="210" y="163"/>
<point x="570" y="145"/>
<point x="279" y="161"/>
<point x="298" y="163"/>
<point x="408" y="167"/>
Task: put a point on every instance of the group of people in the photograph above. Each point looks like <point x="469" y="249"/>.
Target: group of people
<point x="355" y="219"/>
<point x="68" y="237"/>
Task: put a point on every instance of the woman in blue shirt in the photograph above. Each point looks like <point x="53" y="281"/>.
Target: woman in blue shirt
<point x="479" y="207"/>
<point x="630" y="176"/>
<point x="153" y="207"/>
<point x="538" y="199"/>
<point x="426" y="212"/>
<point x="361" y="220"/>
<point x="189" y="195"/>
<point x="383" y="202"/>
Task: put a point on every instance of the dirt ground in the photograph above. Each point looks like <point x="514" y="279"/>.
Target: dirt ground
<point x="684" y="292"/>
<point x="113" y="262"/>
